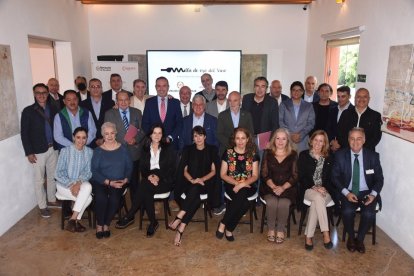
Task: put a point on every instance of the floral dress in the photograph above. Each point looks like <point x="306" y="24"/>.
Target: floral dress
<point x="240" y="166"/>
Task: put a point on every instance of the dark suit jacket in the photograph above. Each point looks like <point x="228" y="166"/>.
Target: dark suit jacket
<point x="370" y="121"/>
<point x="58" y="104"/>
<point x="135" y="118"/>
<point x="88" y="95"/>
<point x="225" y="126"/>
<point x="342" y="170"/>
<point x="210" y="125"/>
<point x="316" y="97"/>
<point x="332" y="128"/>
<point x="284" y="97"/>
<point x="33" y="128"/>
<point x="322" y="122"/>
<point x="98" y="119"/>
<point x="173" y="123"/>
<point x="270" y="115"/>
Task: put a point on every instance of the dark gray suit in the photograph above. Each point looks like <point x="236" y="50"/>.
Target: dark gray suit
<point x="211" y="108"/>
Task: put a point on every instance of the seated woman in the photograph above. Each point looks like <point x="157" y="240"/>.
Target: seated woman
<point x="239" y="170"/>
<point x="157" y="166"/>
<point x="314" y="166"/>
<point x="73" y="171"/>
<point x="199" y="169"/>
<point x="280" y="176"/>
<point x="111" y="169"/>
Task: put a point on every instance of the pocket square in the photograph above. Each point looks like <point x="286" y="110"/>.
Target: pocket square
<point x="371" y="171"/>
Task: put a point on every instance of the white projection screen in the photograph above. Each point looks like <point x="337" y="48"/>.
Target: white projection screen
<point x="186" y="67"/>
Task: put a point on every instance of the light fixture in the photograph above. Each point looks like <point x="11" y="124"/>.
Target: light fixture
<point x="340" y="1"/>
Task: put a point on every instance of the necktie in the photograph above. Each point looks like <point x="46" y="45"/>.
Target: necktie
<point x="125" y="120"/>
<point x="162" y="110"/>
<point x="355" y="176"/>
<point x="185" y="111"/>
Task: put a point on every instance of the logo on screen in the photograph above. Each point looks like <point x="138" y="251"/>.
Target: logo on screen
<point x="103" y="68"/>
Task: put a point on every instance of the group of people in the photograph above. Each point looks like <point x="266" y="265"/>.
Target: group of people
<point x="286" y="149"/>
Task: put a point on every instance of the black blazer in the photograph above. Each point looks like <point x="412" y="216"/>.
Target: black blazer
<point x="33" y="128"/>
<point x="168" y="160"/>
<point x="270" y="115"/>
<point x="88" y="95"/>
<point x="332" y="128"/>
<point x="98" y="119"/>
<point x="58" y="104"/>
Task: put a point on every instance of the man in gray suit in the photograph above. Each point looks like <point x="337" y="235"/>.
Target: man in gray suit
<point x="125" y="118"/>
<point x="220" y="104"/>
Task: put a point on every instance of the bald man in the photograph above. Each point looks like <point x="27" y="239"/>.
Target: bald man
<point x="311" y="95"/>
<point x="276" y="92"/>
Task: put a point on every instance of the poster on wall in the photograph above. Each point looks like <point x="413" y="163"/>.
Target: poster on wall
<point x="127" y="70"/>
<point x="182" y="67"/>
<point x="9" y="121"/>
<point x="398" y="113"/>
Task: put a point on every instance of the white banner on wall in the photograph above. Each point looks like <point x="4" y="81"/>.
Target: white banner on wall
<point x="127" y="70"/>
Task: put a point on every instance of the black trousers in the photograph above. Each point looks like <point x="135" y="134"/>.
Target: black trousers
<point x="144" y="198"/>
<point x="192" y="201"/>
<point x="237" y="207"/>
<point x="107" y="200"/>
<point x="367" y="216"/>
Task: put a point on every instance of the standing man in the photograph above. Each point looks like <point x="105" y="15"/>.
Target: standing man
<point x="264" y="107"/>
<point x="310" y="95"/>
<point x="97" y="106"/>
<point x="71" y="117"/>
<point x="55" y="98"/>
<point x="276" y="92"/>
<point x="116" y="85"/>
<point x="322" y="107"/>
<point x="362" y="116"/>
<point x="357" y="175"/>
<point x="220" y="104"/>
<point x="208" y="92"/>
<point x="38" y="144"/>
<point x="140" y="96"/>
<point x="81" y="85"/>
<point x="185" y="103"/>
<point x="162" y="109"/>
<point x="343" y="95"/>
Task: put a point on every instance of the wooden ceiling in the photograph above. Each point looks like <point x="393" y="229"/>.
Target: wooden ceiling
<point x="200" y="2"/>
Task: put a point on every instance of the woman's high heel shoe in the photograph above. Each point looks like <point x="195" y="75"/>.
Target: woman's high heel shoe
<point x="172" y="223"/>
<point x="181" y="236"/>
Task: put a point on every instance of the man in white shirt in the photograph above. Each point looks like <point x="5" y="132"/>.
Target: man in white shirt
<point x="220" y="104"/>
<point x="276" y="92"/>
<point x="185" y="103"/>
<point x="311" y="95"/>
<point x="116" y="85"/>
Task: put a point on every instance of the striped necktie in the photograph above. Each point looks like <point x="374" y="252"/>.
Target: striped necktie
<point x="185" y="111"/>
<point x="125" y="119"/>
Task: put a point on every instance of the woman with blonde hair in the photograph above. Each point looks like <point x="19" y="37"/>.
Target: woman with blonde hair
<point x="279" y="177"/>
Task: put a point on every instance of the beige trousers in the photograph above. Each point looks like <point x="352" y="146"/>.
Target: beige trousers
<point x="317" y="212"/>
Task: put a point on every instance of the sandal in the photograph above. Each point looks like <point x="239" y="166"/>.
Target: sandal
<point x="271" y="238"/>
<point x="181" y="235"/>
<point x="172" y="223"/>
<point x="280" y="240"/>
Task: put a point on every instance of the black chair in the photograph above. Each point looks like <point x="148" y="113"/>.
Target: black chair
<point x="167" y="212"/>
<point x="252" y="209"/>
<point x="290" y="216"/>
<point x="206" y="207"/>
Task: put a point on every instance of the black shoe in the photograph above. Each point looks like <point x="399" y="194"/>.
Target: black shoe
<point x="106" y="234"/>
<point x="328" y="245"/>
<point x="152" y="228"/>
<point x="124" y="222"/>
<point x="230" y="238"/>
<point x="219" y="235"/>
<point x="360" y="247"/>
<point x="350" y="244"/>
<point x="308" y="247"/>
<point x="99" y="235"/>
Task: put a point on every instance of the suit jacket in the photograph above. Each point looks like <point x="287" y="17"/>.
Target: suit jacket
<point x="58" y="104"/>
<point x="97" y="118"/>
<point x="342" y="170"/>
<point x="270" y="115"/>
<point x="33" y="128"/>
<point x="190" y="108"/>
<point x="303" y="124"/>
<point x="316" y="97"/>
<point x="284" y="97"/>
<point x="173" y="123"/>
<point x="88" y="95"/>
<point x="107" y="95"/>
<point x="370" y="121"/>
<point x="332" y="128"/>
<point x="225" y="126"/>
<point x="211" y="108"/>
<point x="210" y="125"/>
<point x="135" y="118"/>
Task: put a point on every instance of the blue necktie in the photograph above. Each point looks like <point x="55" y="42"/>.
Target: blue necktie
<point x="125" y="120"/>
<point x="355" y="176"/>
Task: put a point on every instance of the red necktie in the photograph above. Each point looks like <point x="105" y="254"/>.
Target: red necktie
<point x="163" y="111"/>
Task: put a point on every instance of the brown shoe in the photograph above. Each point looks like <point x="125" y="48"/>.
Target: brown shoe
<point x="80" y="227"/>
<point x="350" y="244"/>
<point x="71" y="226"/>
<point x="360" y="247"/>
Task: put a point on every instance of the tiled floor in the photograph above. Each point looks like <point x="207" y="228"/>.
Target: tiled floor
<point x="37" y="246"/>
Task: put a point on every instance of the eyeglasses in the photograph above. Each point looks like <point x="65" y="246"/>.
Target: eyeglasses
<point x="95" y="86"/>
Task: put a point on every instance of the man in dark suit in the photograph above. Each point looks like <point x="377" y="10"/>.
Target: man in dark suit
<point x="357" y="175"/>
<point x="55" y="98"/>
<point x="322" y="107"/>
<point x="199" y="117"/>
<point x="97" y="106"/>
<point x="124" y="118"/>
<point x="263" y="106"/>
<point x="276" y="92"/>
<point x="39" y="146"/>
<point x="163" y="110"/>
<point x="311" y="95"/>
<point x="362" y="116"/>
<point x="185" y="103"/>
<point x="343" y="95"/>
<point x="232" y="118"/>
<point x="116" y="85"/>
<point x="81" y="85"/>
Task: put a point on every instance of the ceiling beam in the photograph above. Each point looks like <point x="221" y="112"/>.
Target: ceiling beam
<point x="198" y="2"/>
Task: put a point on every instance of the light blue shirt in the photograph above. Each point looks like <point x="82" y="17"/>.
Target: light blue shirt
<point x="198" y="121"/>
<point x="235" y="118"/>
<point x="96" y="107"/>
<point x="296" y="108"/>
<point x="126" y="114"/>
<point x="74" y="122"/>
